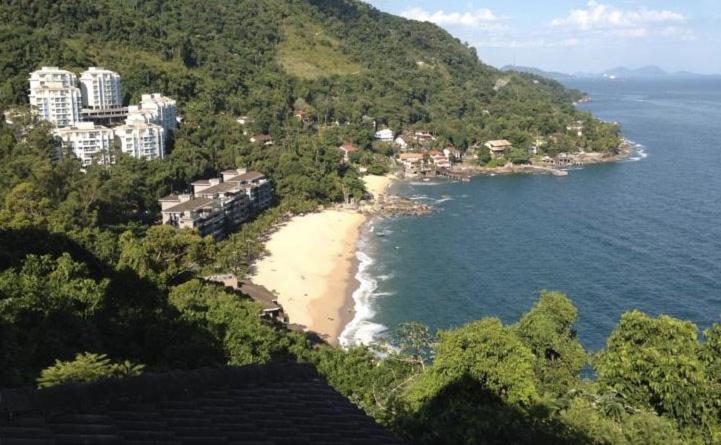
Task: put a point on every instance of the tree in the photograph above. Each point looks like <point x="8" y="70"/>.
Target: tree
<point x="548" y="330"/>
<point x="86" y="367"/>
<point x="25" y="206"/>
<point x="165" y="254"/>
<point x="656" y="363"/>
<point x="485" y="352"/>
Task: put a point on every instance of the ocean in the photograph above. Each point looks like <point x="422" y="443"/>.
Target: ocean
<point x="643" y="233"/>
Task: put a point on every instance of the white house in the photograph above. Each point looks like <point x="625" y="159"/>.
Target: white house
<point x="100" y="89"/>
<point x="385" y="135"/>
<point x="87" y="141"/>
<point x="401" y="142"/>
<point x="54" y="96"/>
<point x="141" y="139"/>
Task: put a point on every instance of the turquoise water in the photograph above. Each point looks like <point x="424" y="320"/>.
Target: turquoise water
<point x="642" y="233"/>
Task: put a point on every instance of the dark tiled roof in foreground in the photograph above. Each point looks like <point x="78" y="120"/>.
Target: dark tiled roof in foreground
<point x="270" y="404"/>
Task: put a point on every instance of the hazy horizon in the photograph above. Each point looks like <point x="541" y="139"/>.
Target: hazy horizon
<point x="580" y="35"/>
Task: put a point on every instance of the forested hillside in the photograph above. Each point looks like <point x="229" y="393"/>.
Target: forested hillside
<point x="84" y="270"/>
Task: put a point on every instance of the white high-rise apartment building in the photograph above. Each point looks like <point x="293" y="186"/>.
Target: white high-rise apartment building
<point x="141" y="139"/>
<point x="54" y="96"/>
<point x="155" y="109"/>
<point x="100" y="88"/>
<point x="88" y="141"/>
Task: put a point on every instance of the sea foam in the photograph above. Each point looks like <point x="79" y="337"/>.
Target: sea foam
<point x="362" y="331"/>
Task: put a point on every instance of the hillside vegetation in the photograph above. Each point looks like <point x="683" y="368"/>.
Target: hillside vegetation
<point x="90" y="287"/>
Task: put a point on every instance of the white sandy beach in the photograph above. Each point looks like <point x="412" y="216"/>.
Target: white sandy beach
<point x="311" y="266"/>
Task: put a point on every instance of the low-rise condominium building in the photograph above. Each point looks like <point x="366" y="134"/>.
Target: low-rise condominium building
<point x="190" y="212"/>
<point x="217" y="204"/>
<point x="256" y="186"/>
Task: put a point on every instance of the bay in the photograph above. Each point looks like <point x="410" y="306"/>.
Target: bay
<point x="643" y="233"/>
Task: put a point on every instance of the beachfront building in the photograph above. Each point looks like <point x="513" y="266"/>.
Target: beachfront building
<point x="453" y="154"/>
<point x="256" y="186"/>
<point x="54" y="96"/>
<point x="217" y="204"/>
<point x="385" y="135"/>
<point x="140" y="139"/>
<point x="89" y="142"/>
<point x="347" y="150"/>
<point x="412" y="162"/>
<point x="197" y="213"/>
<point x="499" y="148"/>
<point x="439" y="159"/>
<point x="230" y="196"/>
<point x="100" y="89"/>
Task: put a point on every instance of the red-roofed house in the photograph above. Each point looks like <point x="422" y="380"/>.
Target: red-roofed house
<point x="347" y="149"/>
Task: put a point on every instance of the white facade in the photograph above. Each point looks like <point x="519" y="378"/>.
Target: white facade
<point x="88" y="141"/>
<point x="100" y="89"/>
<point x="52" y="75"/>
<point x="54" y="96"/>
<point x="155" y="109"/>
<point x="140" y="139"/>
<point x="385" y="135"/>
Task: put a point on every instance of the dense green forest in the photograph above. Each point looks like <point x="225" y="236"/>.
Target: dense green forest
<point x="89" y="288"/>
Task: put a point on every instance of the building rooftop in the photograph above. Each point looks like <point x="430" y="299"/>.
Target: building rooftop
<point x="223" y="187"/>
<point x="190" y="205"/>
<point x="170" y="197"/>
<point x="410" y="155"/>
<point x="498" y="144"/>
<point x="348" y="148"/>
<point x="281" y="403"/>
<point x="247" y="177"/>
<point x="98" y="70"/>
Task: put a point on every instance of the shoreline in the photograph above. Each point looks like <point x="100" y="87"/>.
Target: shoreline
<point x="580" y="160"/>
<point x="328" y="296"/>
<point x="317" y="294"/>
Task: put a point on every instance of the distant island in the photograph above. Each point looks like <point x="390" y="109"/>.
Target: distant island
<point x="620" y="72"/>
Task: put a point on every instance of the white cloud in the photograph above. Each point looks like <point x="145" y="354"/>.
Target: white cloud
<point x="599" y="16"/>
<point x="497" y="42"/>
<point x="480" y="18"/>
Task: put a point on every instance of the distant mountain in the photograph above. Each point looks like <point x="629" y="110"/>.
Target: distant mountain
<point x="539" y="72"/>
<point x="650" y="71"/>
<point x="620" y="72"/>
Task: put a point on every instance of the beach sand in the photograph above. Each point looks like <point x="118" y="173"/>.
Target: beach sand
<point x="311" y="266"/>
<point x="377" y="185"/>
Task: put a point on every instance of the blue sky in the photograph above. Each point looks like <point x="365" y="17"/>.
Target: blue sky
<point x="579" y="35"/>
